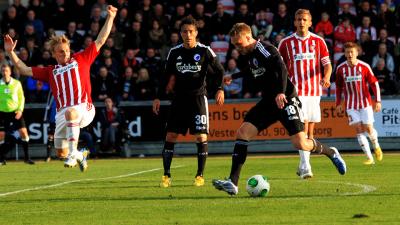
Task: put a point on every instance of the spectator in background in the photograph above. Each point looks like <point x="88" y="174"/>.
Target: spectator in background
<point x="36" y="23"/>
<point x="3" y="60"/>
<point x="94" y="29"/>
<point x="134" y="37"/>
<point x="325" y="26"/>
<point x="158" y="14"/>
<point x="122" y="22"/>
<point x="33" y="51"/>
<point x="144" y="87"/>
<point x="383" y="38"/>
<point x="386" y="19"/>
<point x="58" y="15"/>
<point x="46" y="59"/>
<point x="221" y="22"/>
<point x="384" y="54"/>
<point x="282" y="21"/>
<point x="79" y="14"/>
<point x="37" y="91"/>
<point x="153" y="65"/>
<point x="385" y="78"/>
<point x="173" y="41"/>
<point x="343" y="33"/>
<point x="262" y="25"/>
<point x="366" y="27"/>
<point x="366" y="10"/>
<point x="126" y="85"/>
<point x="117" y="37"/>
<point x="75" y="38"/>
<point x="38" y="7"/>
<point x="243" y="15"/>
<point x="130" y="59"/>
<point x="234" y="90"/>
<point x="156" y="35"/>
<point x="345" y="12"/>
<point x="111" y="120"/>
<point x="367" y="46"/>
<point x="10" y="20"/>
<point x="103" y="85"/>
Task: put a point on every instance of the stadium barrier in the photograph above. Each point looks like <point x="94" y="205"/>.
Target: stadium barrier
<point x="146" y="131"/>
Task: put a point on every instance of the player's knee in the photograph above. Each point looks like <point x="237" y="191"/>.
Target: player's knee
<point x="71" y="114"/>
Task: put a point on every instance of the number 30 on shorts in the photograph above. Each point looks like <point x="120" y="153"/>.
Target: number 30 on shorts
<point x="201" y="119"/>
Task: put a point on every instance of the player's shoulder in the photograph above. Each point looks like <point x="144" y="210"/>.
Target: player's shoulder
<point x="287" y="38"/>
<point x="316" y="37"/>
<point x="206" y="48"/>
<point x="341" y="65"/>
<point x="266" y="49"/>
<point x="176" y="48"/>
<point x="364" y="64"/>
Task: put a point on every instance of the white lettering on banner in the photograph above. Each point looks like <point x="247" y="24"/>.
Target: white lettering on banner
<point x="135" y="127"/>
<point x="187" y="68"/>
<point x="353" y="78"/>
<point x="387" y="122"/>
<point x="62" y="70"/>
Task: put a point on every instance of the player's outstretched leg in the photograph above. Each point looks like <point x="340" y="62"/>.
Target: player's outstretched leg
<point x="83" y="165"/>
<point x="332" y="153"/>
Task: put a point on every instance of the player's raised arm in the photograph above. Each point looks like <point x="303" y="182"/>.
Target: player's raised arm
<point x="106" y="29"/>
<point x="9" y="46"/>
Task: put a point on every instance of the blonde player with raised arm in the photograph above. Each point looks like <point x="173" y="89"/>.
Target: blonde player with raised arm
<point x="70" y="84"/>
<point x="353" y="79"/>
<point x="303" y="53"/>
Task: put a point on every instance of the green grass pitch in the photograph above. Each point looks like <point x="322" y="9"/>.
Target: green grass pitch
<point x="126" y="191"/>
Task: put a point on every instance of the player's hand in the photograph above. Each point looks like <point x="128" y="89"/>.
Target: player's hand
<point x="378" y="107"/>
<point x="339" y="108"/>
<point x="227" y="79"/>
<point x="170" y="85"/>
<point x="219" y="97"/>
<point x="111" y="11"/>
<point x="18" y="115"/>
<point x="156" y="106"/>
<point x="9" y="44"/>
<point x="281" y="100"/>
<point x="325" y="82"/>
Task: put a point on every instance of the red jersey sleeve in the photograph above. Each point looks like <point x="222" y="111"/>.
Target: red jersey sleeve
<point x="324" y="53"/>
<point x="42" y="73"/>
<point x="373" y="82"/>
<point x="283" y="52"/>
<point x="89" y="54"/>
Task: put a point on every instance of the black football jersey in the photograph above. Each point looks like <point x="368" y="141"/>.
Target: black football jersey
<point x="266" y="67"/>
<point x="191" y="67"/>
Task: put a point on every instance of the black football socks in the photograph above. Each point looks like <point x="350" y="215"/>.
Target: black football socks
<point x="167" y="154"/>
<point x="202" y="152"/>
<point x="238" y="158"/>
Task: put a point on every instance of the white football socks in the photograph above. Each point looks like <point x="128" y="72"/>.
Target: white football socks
<point x="304" y="160"/>
<point x="373" y="137"/>
<point x="73" y="130"/>
<point x="363" y="142"/>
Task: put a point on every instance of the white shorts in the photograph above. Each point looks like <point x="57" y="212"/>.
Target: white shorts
<point x="310" y="106"/>
<point x="365" y="116"/>
<point x="86" y="114"/>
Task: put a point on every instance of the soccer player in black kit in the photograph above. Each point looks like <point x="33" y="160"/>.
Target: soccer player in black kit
<point x="279" y="103"/>
<point x="188" y="64"/>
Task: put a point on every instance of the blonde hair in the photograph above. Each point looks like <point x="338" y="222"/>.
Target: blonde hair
<point x="55" y="40"/>
<point x="303" y="11"/>
<point x="143" y="75"/>
<point x="240" y="29"/>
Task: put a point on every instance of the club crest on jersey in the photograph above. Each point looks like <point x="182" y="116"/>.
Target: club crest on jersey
<point x="255" y="62"/>
<point x="196" y="57"/>
<point x="64" y="69"/>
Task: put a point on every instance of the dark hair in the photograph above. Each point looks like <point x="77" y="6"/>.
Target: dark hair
<point x="350" y="45"/>
<point x="189" y="20"/>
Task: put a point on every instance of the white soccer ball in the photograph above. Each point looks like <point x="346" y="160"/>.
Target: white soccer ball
<point x="257" y="186"/>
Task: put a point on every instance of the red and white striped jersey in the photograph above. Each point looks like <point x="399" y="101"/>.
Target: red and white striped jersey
<point x="303" y="57"/>
<point x="354" y="82"/>
<point x="70" y="83"/>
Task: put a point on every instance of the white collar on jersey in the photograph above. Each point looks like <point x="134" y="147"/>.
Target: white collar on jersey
<point x="3" y="82"/>
<point x="352" y="65"/>
<point x="303" y="38"/>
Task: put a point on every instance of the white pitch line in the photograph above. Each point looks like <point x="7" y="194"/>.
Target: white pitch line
<point x="77" y="181"/>
<point x="365" y="188"/>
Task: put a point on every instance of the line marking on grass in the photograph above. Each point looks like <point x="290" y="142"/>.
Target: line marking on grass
<point x="365" y="188"/>
<point x="80" y="180"/>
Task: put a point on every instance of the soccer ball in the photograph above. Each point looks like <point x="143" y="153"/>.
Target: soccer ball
<point x="257" y="186"/>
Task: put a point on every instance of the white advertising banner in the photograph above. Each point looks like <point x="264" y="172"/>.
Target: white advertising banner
<point x="387" y="121"/>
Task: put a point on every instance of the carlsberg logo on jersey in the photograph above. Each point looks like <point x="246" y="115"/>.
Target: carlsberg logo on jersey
<point x="65" y="68"/>
<point x="187" y="67"/>
<point x="258" y="72"/>
<point x="302" y="56"/>
<point x="353" y="78"/>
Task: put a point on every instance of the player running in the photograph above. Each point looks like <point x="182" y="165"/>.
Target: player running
<point x="279" y="103"/>
<point x="70" y="84"/>
<point x="353" y="79"/>
<point x="188" y="63"/>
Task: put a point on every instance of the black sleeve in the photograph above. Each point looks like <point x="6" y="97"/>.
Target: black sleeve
<point x="217" y="68"/>
<point x="242" y="73"/>
<point x="280" y="71"/>
<point x="166" y="74"/>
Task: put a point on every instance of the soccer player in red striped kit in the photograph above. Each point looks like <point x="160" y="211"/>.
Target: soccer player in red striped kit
<point x="354" y="78"/>
<point x="303" y="53"/>
<point x="70" y="83"/>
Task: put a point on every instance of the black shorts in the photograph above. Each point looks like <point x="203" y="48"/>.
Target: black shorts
<point x="9" y="123"/>
<point x="189" y="112"/>
<point x="266" y="112"/>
